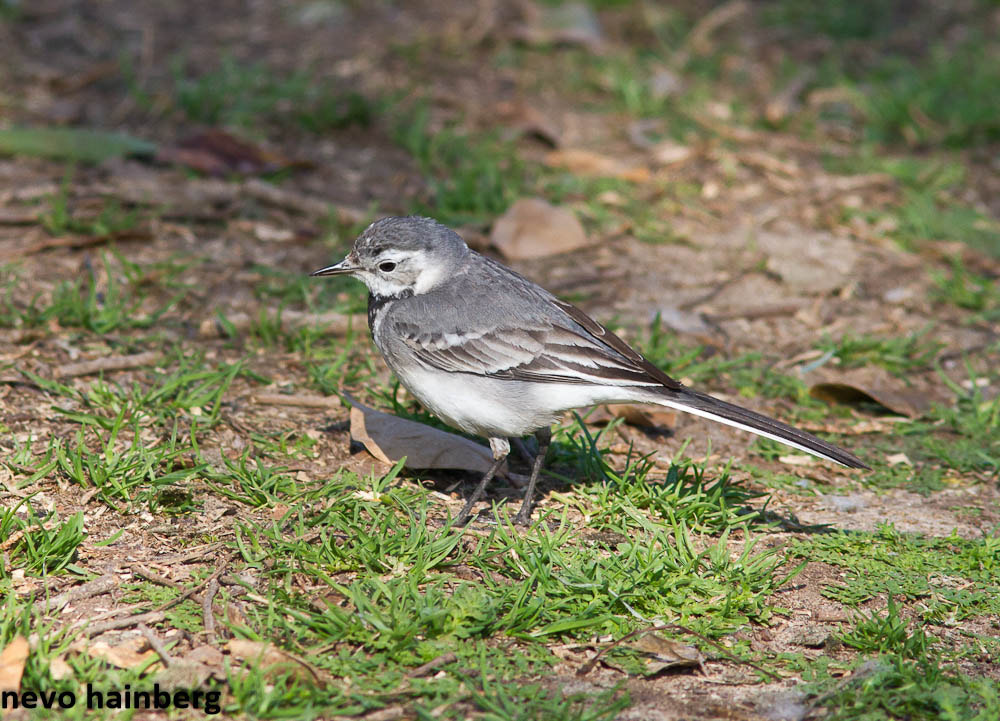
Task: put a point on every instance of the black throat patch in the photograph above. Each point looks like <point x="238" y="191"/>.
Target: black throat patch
<point x="377" y="302"/>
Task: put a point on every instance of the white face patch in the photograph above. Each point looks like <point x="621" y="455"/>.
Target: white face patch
<point x="382" y="285"/>
<point x="428" y="278"/>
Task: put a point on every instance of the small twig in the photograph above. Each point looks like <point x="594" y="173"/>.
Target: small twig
<point x="761" y="311"/>
<point x="107" y="363"/>
<point x="194" y="553"/>
<point x="435" y="663"/>
<point x="331" y="322"/>
<point x="156" y="644"/>
<point x="87" y="590"/>
<point x="74" y="241"/>
<point x="698" y="38"/>
<point x="187" y="594"/>
<point x="149" y="617"/>
<point x="163" y="581"/>
<point x="208" y="617"/>
<point x="588" y="667"/>
<point x="390" y="713"/>
<point x="298" y="401"/>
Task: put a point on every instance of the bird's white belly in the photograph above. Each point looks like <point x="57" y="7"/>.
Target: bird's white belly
<point x="500" y="408"/>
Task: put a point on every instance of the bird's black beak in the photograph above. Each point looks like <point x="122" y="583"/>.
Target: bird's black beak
<point x="344" y="267"/>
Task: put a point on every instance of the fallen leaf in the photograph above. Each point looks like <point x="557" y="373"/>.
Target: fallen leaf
<point x="797" y="459"/>
<point x="82" y="145"/>
<point x="665" y="653"/>
<point x="529" y="120"/>
<point x="366" y="465"/>
<point x="868" y="385"/>
<point x="219" y="153"/>
<point x="270" y="657"/>
<point x="127" y="654"/>
<point x="633" y="415"/>
<point x="390" y="438"/>
<point x="59" y="669"/>
<point x="668" y="152"/>
<point x="588" y="163"/>
<point x="898" y="458"/>
<point x="12" y="660"/>
<point x="208" y="655"/>
<point x="533" y="228"/>
<point x="184" y="674"/>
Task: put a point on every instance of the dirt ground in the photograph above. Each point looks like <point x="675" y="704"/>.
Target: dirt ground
<point x="766" y="259"/>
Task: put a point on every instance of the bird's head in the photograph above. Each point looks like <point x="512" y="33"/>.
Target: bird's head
<point x="399" y="254"/>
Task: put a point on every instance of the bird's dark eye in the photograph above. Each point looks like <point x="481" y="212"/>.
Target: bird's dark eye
<point x="387" y="266"/>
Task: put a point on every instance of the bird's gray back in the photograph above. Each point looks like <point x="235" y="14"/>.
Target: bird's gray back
<point x="486" y="296"/>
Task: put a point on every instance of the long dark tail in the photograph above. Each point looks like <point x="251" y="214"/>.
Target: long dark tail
<point x="706" y="406"/>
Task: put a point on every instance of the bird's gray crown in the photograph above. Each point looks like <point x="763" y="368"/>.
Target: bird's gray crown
<point x="409" y="233"/>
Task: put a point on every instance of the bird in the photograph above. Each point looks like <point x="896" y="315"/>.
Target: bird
<point x="493" y="354"/>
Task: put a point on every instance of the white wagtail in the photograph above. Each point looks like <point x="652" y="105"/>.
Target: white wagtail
<point x="496" y="355"/>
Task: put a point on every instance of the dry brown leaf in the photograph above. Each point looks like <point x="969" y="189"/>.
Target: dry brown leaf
<point x="208" y="655"/>
<point x="797" y="459"/>
<point x="634" y="415"/>
<point x="667" y="152"/>
<point x="12" y="660"/>
<point x="871" y="384"/>
<point x="128" y="654"/>
<point x="217" y="152"/>
<point x="666" y="653"/>
<point x="390" y="438"/>
<point x="898" y="458"/>
<point x="530" y="120"/>
<point x="59" y="669"/>
<point x="533" y="228"/>
<point x="269" y="656"/>
<point x="580" y="161"/>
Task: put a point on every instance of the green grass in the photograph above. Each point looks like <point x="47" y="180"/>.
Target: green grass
<point x="968" y="290"/>
<point x="252" y="95"/>
<point x="950" y="578"/>
<point x="470" y="179"/>
<point x="903" y="690"/>
<point x="61" y="218"/>
<point x="897" y="354"/>
<point x="113" y="298"/>
<point x="948" y="99"/>
<point x="44" y="546"/>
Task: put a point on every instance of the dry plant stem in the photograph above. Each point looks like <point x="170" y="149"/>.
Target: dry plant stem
<point x="206" y="610"/>
<point x="157" y="578"/>
<point x="108" y="363"/>
<point x="193" y="554"/>
<point x="219" y="570"/>
<point x="297" y="401"/>
<point x="92" y="588"/>
<point x="335" y="323"/>
<point x="156" y="644"/>
<point x="435" y="663"/>
<point x="129" y="621"/>
<point x="299" y="202"/>
<point x="75" y="241"/>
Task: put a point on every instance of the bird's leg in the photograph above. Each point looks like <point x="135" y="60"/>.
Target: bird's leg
<point x="544" y="437"/>
<point x="500" y="448"/>
<point x="522" y="450"/>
